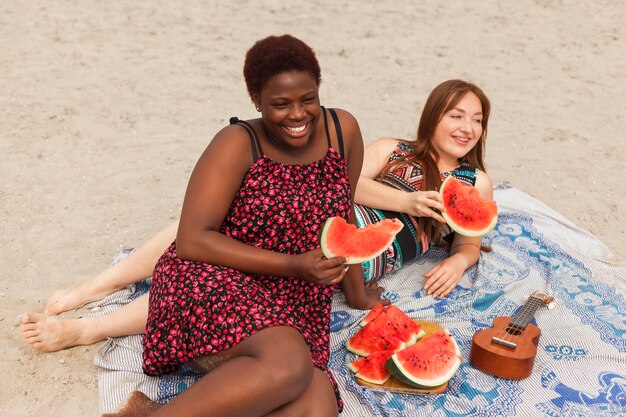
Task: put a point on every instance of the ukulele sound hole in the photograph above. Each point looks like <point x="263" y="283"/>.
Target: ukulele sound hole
<point x="513" y="331"/>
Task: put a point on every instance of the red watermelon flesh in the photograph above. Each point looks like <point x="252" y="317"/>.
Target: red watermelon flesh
<point x="406" y="327"/>
<point x="354" y="366"/>
<point x="393" y="325"/>
<point x="428" y="363"/>
<point x="465" y="210"/>
<point x="373" y="368"/>
<point x="340" y="238"/>
<point x="443" y="339"/>
<point x="373" y="338"/>
<point x="378" y="308"/>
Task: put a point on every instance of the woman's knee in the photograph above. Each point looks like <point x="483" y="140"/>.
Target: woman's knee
<point x="288" y="359"/>
<point x="321" y="400"/>
<point x="318" y="400"/>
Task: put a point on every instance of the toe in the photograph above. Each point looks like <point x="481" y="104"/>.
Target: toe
<point x="28" y="318"/>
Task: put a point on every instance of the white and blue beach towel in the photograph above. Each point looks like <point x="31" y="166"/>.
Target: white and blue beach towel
<point x="580" y="367"/>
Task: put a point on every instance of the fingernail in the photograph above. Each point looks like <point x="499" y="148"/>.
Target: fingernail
<point x="429" y="292"/>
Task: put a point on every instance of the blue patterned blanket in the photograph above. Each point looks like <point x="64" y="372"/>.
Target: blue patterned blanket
<point x="580" y="368"/>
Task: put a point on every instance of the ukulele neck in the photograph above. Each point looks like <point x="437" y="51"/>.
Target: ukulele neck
<point x="518" y="323"/>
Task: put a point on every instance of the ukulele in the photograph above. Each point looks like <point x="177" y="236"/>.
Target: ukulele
<point x="508" y="348"/>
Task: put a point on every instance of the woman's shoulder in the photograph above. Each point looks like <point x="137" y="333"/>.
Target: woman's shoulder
<point x="388" y="145"/>
<point x="233" y="141"/>
<point x="400" y="148"/>
<point x="237" y="130"/>
<point x="484" y="184"/>
<point x="347" y="121"/>
<point x="407" y="146"/>
<point x="348" y="133"/>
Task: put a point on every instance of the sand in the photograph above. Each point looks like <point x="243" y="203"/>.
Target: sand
<point x="106" y="106"/>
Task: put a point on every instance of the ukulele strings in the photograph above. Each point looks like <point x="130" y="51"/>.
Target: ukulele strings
<point x="520" y="320"/>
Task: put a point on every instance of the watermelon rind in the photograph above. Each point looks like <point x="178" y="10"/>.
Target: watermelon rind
<point x="357" y="364"/>
<point x="396" y="367"/>
<point x="398" y="371"/>
<point x="416" y="337"/>
<point x="372" y="380"/>
<point x="460" y="229"/>
<point x="373" y="369"/>
<point x="351" y="260"/>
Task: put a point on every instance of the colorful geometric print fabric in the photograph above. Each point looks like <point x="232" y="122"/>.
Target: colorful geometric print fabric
<point x="404" y="173"/>
<point x="198" y="308"/>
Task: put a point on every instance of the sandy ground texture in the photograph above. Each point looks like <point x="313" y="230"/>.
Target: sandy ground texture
<point x="105" y="107"/>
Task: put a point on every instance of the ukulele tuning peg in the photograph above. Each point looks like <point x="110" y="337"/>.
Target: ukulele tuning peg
<point x="551" y="305"/>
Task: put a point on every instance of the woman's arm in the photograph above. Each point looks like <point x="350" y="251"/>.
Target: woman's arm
<point x="374" y="194"/>
<point x="464" y="252"/>
<point x="213" y="185"/>
<point x="358" y="295"/>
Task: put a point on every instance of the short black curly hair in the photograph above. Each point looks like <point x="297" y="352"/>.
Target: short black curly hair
<point x="276" y="54"/>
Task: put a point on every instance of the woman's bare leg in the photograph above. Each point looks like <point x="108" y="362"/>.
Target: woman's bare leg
<point x="317" y="401"/>
<point x="270" y="369"/>
<point x="49" y="334"/>
<point x="137" y="405"/>
<point x="269" y="374"/>
<point x="137" y="266"/>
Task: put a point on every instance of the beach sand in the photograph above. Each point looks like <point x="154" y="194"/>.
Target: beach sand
<point x="106" y="106"/>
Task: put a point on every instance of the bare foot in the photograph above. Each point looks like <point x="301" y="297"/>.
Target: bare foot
<point x="50" y="334"/>
<point x="137" y="405"/>
<point x="65" y="299"/>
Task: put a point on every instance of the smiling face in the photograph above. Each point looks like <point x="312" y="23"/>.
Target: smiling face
<point x="459" y="130"/>
<point x="290" y="107"/>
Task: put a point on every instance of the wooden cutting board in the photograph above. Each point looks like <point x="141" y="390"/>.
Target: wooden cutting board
<point x="395" y="385"/>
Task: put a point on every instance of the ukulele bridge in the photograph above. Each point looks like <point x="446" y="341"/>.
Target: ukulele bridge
<point x="503" y="342"/>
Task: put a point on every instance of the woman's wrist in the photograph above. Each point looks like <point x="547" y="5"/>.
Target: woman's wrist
<point x="465" y="256"/>
<point x="291" y="265"/>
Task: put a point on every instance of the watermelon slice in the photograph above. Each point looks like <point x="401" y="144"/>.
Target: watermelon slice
<point x="372" y="369"/>
<point x="397" y="324"/>
<point x="361" y="361"/>
<point x="465" y="210"/>
<point x="428" y="363"/>
<point x="373" y="338"/>
<point x="378" y="308"/>
<point x="340" y="238"/>
<point x="407" y="328"/>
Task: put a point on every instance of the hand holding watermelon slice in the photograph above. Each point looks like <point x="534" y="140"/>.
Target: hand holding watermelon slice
<point x="313" y="266"/>
<point x="465" y="210"/>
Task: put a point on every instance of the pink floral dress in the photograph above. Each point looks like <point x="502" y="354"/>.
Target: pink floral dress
<point x="199" y="309"/>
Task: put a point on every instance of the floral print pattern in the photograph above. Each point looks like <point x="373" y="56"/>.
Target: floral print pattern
<point x="198" y="308"/>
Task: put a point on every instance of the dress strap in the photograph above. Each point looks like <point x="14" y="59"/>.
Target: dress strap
<point x="333" y="114"/>
<point x="326" y="126"/>
<point x="255" y="143"/>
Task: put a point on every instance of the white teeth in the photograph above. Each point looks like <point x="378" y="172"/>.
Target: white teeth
<point x="461" y="139"/>
<point x="296" y="129"/>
